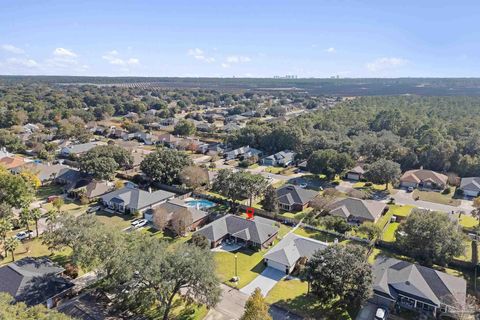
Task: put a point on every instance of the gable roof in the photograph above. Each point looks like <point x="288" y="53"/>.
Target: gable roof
<point x="176" y="205"/>
<point x="393" y="277"/>
<point x="47" y="172"/>
<point x="32" y="280"/>
<point x="420" y="175"/>
<point x="284" y="156"/>
<point x="135" y="198"/>
<point x="290" y="194"/>
<point x="82" y="147"/>
<point x="257" y="231"/>
<point x="366" y="209"/>
<point x="472" y="183"/>
<point x="12" y="162"/>
<point x="292" y="247"/>
<point x="357" y="169"/>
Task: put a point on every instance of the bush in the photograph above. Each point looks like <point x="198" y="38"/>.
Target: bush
<point x="447" y="190"/>
<point x="368" y="184"/>
<point x="244" y="164"/>
<point x="335" y="183"/>
<point x="71" y="270"/>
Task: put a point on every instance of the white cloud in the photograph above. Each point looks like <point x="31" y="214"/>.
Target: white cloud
<point x="200" y="55"/>
<point x="225" y="65"/>
<point x="113" y="58"/>
<point x="385" y="63"/>
<point x="29" y="63"/>
<point x="238" y="59"/>
<point x="64" y="53"/>
<point x="12" y="49"/>
<point x="331" y="50"/>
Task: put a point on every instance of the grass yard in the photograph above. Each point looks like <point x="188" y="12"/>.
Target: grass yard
<point x="284" y="229"/>
<point x="436" y="197"/>
<point x="274" y="170"/>
<point x="467" y="222"/>
<point x="468" y="251"/>
<point x="389" y="233"/>
<point x="292" y="295"/>
<point x="385" y="219"/>
<point x="317" y="235"/>
<point x="69" y="206"/>
<point x="400" y="211"/>
<point x="49" y="190"/>
<point x="116" y="220"/>
<point x="249" y="265"/>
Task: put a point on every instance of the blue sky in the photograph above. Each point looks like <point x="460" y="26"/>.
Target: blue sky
<point x="241" y="38"/>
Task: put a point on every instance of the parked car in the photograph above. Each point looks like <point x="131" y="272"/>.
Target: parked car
<point x="24" y="235"/>
<point x="93" y="209"/>
<point x="410" y="189"/>
<point x="138" y="223"/>
<point x="381" y="314"/>
<point x="303" y="185"/>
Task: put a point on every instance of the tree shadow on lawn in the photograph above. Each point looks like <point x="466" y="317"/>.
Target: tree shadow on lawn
<point x="307" y="306"/>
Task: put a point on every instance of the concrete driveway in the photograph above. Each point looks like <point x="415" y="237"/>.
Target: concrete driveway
<point x="403" y="197"/>
<point x="231" y="305"/>
<point x="367" y="312"/>
<point x="265" y="281"/>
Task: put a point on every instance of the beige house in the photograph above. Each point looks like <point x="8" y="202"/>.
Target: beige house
<point x="422" y="178"/>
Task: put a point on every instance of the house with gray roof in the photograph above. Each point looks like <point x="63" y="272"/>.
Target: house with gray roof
<point x="34" y="281"/>
<point x="47" y="173"/>
<point x="355" y="173"/>
<point x="470" y="186"/>
<point x="415" y="287"/>
<point x="281" y="159"/>
<point x="357" y="210"/>
<point x="242" y="153"/>
<point x="293" y="198"/>
<point x="285" y="255"/>
<point x="78" y="149"/>
<point x="130" y="199"/>
<point x="250" y="232"/>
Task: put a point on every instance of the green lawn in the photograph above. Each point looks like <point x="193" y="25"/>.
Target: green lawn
<point x="400" y="210"/>
<point x="249" y="265"/>
<point x="69" y="206"/>
<point x="389" y="234"/>
<point x="274" y="170"/>
<point x="467" y="222"/>
<point x="317" y="235"/>
<point x="116" y="220"/>
<point x="382" y="222"/>
<point x="292" y="295"/>
<point x="49" y="190"/>
<point x="437" y="197"/>
<point x="283" y="230"/>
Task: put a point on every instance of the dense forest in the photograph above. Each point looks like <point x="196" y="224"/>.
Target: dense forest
<point x="438" y="133"/>
<point x="314" y="86"/>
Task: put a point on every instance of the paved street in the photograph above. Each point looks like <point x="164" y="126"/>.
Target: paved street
<point x="265" y="281"/>
<point x="403" y="197"/>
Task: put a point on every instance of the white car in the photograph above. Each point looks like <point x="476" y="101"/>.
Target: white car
<point x="381" y="314"/>
<point x="24" y="235"/>
<point x="138" y="223"/>
<point x="93" y="209"/>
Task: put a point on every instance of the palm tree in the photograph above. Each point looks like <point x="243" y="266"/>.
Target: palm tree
<point x="25" y="217"/>
<point x="36" y="214"/>
<point x="5" y="226"/>
<point x="11" y="245"/>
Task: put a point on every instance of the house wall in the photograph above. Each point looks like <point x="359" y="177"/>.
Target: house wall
<point x="470" y="193"/>
<point x="279" y="266"/>
<point x="406" y="184"/>
<point x="353" y="176"/>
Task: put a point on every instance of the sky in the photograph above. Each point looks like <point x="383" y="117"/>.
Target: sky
<point x="242" y="38"/>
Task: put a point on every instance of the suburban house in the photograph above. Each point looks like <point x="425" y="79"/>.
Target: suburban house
<point x="34" y="281"/>
<point x="281" y="159"/>
<point x="292" y="198"/>
<point x="236" y="118"/>
<point x="258" y="233"/>
<point x="12" y="162"/>
<point x="470" y="186"/>
<point x="47" y="173"/>
<point x="90" y="305"/>
<point x="242" y="153"/>
<point x="168" y="122"/>
<point x="415" y="287"/>
<point x="286" y="254"/>
<point x="78" y="149"/>
<point x="355" y="173"/>
<point x="176" y="206"/>
<point x="130" y="199"/>
<point x="169" y="140"/>
<point x="230" y="127"/>
<point x="357" y="210"/>
<point x="421" y="178"/>
<point x="93" y="190"/>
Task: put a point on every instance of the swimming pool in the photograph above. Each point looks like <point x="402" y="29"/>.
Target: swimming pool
<point x="200" y="203"/>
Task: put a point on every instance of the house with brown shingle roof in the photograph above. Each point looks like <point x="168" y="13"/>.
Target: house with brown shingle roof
<point x="12" y="162"/>
<point x="357" y="210"/>
<point x="421" y="178"/>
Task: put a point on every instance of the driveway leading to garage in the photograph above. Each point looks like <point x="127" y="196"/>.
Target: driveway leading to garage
<point x="265" y="281"/>
<point x="367" y="312"/>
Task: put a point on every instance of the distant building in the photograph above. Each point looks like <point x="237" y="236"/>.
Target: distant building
<point x="78" y="149"/>
<point x="282" y="159"/>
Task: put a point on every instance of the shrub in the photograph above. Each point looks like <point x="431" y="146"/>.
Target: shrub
<point x="368" y="184"/>
<point x="447" y="190"/>
<point x="335" y="183"/>
<point x="71" y="270"/>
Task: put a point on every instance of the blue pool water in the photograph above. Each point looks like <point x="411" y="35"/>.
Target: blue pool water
<point x="201" y="203"/>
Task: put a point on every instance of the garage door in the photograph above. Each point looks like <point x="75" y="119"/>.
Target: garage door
<point x="470" y="193"/>
<point x="276" y="265"/>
